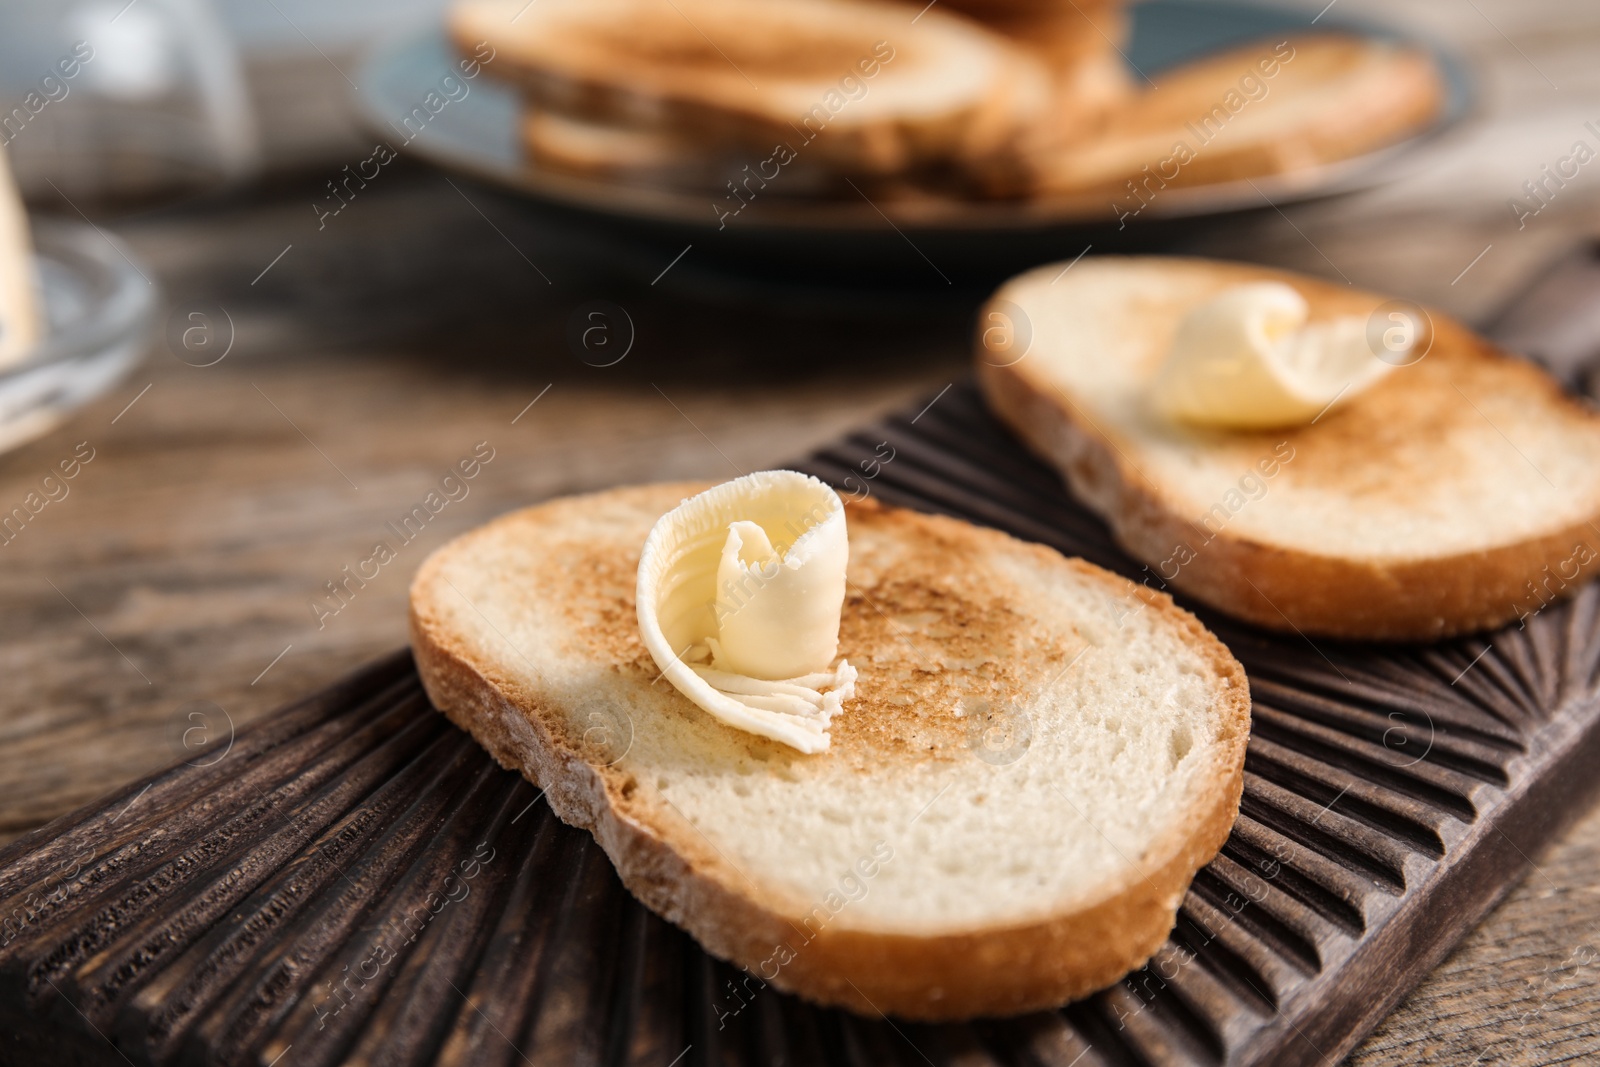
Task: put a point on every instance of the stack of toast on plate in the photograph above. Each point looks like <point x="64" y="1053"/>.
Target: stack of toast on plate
<point x="971" y="99"/>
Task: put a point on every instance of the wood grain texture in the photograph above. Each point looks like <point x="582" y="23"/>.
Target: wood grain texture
<point x="409" y="329"/>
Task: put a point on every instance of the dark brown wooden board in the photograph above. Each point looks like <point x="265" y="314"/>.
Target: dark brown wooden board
<point x="356" y="881"/>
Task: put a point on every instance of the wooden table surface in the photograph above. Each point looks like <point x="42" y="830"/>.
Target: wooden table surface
<point x="174" y="586"/>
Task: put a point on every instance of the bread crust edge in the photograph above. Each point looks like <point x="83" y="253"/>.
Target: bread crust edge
<point x="1012" y="970"/>
<point x="1278" y="588"/>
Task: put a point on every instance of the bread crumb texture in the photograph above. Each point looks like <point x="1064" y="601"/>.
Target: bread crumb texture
<point x="1463" y="451"/>
<point x="1031" y="735"/>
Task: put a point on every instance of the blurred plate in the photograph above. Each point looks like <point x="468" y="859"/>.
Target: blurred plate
<point x="98" y="306"/>
<point x="477" y="136"/>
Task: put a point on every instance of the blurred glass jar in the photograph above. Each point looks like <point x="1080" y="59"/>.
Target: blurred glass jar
<point x="121" y="100"/>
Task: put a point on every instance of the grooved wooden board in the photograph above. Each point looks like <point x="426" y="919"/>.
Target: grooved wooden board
<point x="355" y="880"/>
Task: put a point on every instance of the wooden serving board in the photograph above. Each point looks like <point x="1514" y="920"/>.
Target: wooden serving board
<point x="356" y="881"/>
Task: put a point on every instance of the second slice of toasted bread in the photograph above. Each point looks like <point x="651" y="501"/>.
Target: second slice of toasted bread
<point x="1460" y="492"/>
<point x="648" y="158"/>
<point x="1277" y="106"/>
<point x="864" y="85"/>
<point x="1080" y="45"/>
<point x="1012" y="806"/>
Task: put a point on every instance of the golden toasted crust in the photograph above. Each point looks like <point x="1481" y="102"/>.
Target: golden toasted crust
<point x="673" y="870"/>
<point x="1285" y="588"/>
<point x="1328" y="97"/>
<point x="991" y="11"/>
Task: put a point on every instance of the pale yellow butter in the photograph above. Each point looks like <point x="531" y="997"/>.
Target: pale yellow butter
<point x="740" y="590"/>
<point x="1248" y="359"/>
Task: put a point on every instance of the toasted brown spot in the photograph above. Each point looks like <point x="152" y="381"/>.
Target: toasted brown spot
<point x="1376" y="445"/>
<point x="672" y="44"/>
<point x="928" y="639"/>
<point x="599" y="603"/>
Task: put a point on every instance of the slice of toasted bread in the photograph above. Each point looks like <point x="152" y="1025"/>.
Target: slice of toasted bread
<point x="1038" y="758"/>
<point x="1273" y="107"/>
<point x="1078" y="44"/>
<point x="633" y="154"/>
<point x="858" y="83"/>
<point x="996" y="10"/>
<point x="1460" y="492"/>
<point x="1063" y="36"/>
<point x="661" y="159"/>
<point x="1080" y="47"/>
<point x="728" y="175"/>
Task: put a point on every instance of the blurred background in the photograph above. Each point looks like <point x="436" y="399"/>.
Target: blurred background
<point x="287" y="359"/>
